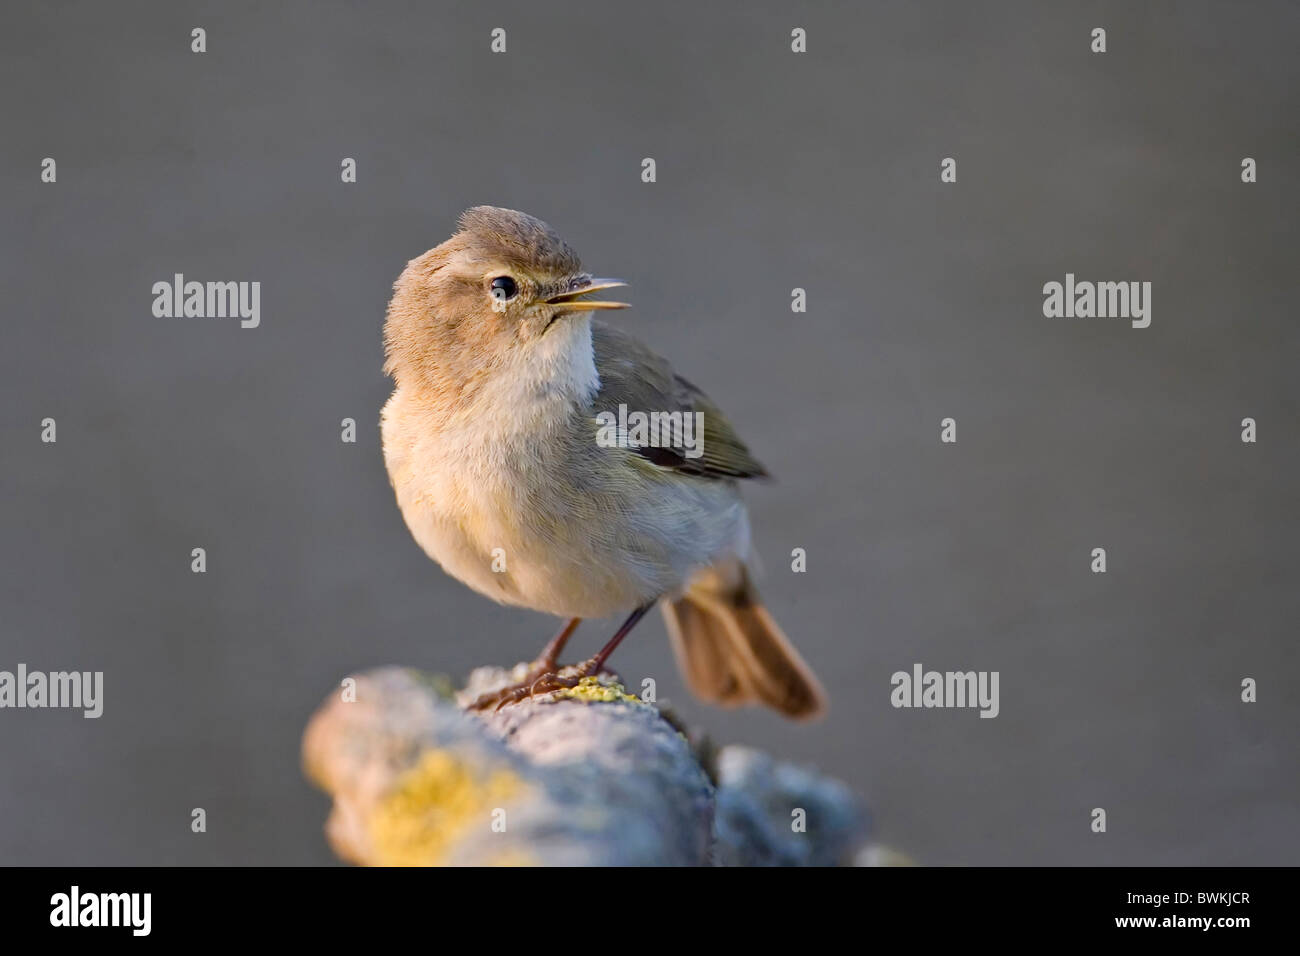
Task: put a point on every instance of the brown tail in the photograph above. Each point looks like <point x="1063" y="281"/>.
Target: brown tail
<point x="732" y="652"/>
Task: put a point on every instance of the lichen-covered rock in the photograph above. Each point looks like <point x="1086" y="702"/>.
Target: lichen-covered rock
<point x="571" y="780"/>
<point x="771" y="813"/>
<point x="588" y="775"/>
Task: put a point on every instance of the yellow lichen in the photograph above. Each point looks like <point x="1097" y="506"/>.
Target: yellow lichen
<point x="432" y="804"/>
<point x="591" y="690"/>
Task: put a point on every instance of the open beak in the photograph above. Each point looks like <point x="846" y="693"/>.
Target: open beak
<point x="571" y="300"/>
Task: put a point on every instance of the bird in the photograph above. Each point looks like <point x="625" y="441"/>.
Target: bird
<point x="508" y="473"/>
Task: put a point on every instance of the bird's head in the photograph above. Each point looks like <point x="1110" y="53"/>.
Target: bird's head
<point x="504" y="295"/>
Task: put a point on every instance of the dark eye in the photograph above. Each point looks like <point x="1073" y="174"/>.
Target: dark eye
<point x="503" y="287"/>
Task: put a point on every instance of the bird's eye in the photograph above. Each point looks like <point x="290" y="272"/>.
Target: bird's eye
<point x="503" y="287"/>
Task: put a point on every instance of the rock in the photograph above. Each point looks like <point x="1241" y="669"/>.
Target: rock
<point x="770" y="813"/>
<point x="588" y="776"/>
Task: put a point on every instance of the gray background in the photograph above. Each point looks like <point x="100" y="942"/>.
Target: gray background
<point x="775" y="170"/>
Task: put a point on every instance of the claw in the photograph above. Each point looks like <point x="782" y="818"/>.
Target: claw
<point x="536" y="683"/>
<point x="532" y="685"/>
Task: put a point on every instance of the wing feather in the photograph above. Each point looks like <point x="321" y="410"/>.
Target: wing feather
<point x="634" y="376"/>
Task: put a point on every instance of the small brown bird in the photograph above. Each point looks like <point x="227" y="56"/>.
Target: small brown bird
<point x="516" y="443"/>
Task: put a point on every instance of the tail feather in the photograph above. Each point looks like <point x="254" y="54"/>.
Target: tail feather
<point x="732" y="652"/>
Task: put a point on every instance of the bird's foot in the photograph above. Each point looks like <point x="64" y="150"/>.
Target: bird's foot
<point x="540" y="680"/>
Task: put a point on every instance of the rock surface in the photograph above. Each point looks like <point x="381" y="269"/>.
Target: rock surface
<point x="590" y="776"/>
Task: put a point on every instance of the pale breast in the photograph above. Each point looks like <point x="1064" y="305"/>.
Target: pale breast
<point x="545" y="519"/>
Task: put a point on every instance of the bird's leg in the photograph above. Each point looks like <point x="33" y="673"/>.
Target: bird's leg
<point x="551" y="652"/>
<point x="551" y="680"/>
<point x="546" y="663"/>
<point x="593" y="666"/>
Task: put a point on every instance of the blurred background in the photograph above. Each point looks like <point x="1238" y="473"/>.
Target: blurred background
<point x="775" y="171"/>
